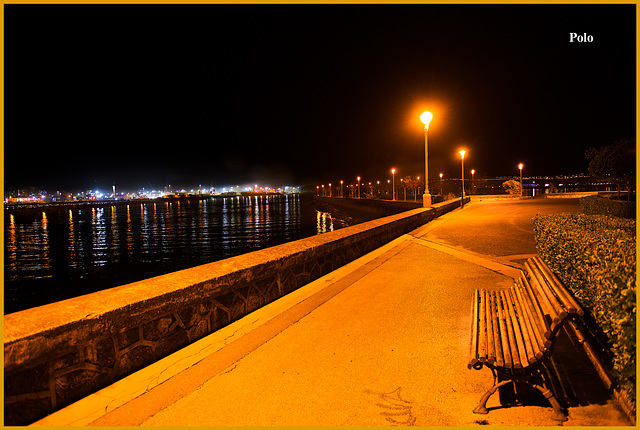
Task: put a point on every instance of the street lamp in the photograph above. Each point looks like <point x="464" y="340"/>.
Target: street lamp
<point x="341" y="193"/>
<point x="426" y="198"/>
<point x="462" y="157"/>
<point x="393" y="190"/>
<point x="473" y="180"/>
<point x="330" y="192"/>
<point x="323" y="190"/>
<point x="318" y="190"/>
<point x="520" y="166"/>
<point x="358" y="186"/>
<point x="441" y="184"/>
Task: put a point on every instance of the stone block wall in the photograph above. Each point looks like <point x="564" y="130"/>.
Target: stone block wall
<point x="58" y="353"/>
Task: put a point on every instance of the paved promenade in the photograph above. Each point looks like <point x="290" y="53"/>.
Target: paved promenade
<point x="381" y="341"/>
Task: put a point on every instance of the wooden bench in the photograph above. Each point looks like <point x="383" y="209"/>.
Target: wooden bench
<point x="513" y="330"/>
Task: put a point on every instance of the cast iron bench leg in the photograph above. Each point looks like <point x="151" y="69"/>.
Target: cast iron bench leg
<point x="482" y="406"/>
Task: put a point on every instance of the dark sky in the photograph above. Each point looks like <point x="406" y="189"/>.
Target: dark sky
<point x="150" y="95"/>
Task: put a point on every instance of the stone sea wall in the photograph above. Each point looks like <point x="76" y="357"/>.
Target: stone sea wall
<point x="58" y="353"/>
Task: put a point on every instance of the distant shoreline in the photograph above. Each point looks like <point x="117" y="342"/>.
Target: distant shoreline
<point x="111" y="202"/>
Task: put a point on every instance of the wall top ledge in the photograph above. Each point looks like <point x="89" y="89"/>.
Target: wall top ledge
<point x="51" y="317"/>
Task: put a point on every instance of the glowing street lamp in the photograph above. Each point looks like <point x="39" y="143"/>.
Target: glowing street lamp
<point x="520" y="166"/>
<point x="473" y="180"/>
<point x="323" y="190"/>
<point x="358" y="186"/>
<point x="462" y="156"/>
<point x="393" y="193"/>
<point x="330" y="192"/>
<point x="426" y="197"/>
<point x="440" y="183"/>
<point x="318" y="190"/>
<point x="341" y="193"/>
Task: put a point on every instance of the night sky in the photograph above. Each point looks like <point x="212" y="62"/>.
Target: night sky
<point x="151" y="95"/>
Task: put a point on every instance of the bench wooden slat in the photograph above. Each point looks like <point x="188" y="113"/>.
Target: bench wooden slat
<point x="504" y="337"/>
<point x="473" y="353"/>
<point x="491" y="345"/>
<point x="547" y="291"/>
<point x="482" y="349"/>
<point x="511" y="334"/>
<point x="539" y="321"/>
<point x="535" y="337"/>
<point x="496" y="330"/>
<point x="558" y="288"/>
<point x="519" y="328"/>
<point x="537" y="307"/>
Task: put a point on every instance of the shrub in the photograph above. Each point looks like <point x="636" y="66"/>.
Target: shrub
<point x="595" y="257"/>
<point x="512" y="187"/>
<point x="596" y="205"/>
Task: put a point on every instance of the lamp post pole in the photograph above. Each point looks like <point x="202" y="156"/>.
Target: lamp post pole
<point x="520" y="166"/>
<point x="473" y="180"/>
<point x="426" y="197"/>
<point x="462" y="156"/>
<point x="358" y="186"/>
<point x="393" y="174"/>
<point x="341" y="193"/>
<point x="441" y="185"/>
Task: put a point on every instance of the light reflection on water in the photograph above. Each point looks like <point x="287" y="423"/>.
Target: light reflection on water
<point x="57" y="253"/>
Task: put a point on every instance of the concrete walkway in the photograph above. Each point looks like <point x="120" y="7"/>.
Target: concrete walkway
<point x="381" y="341"/>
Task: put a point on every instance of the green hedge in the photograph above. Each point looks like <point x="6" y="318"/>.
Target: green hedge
<point x="596" y="205"/>
<point x="595" y="257"/>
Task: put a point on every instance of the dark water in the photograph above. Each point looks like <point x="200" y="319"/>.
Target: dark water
<point x="56" y="253"/>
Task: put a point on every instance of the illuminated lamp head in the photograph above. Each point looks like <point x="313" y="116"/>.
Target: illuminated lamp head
<point x="426" y="119"/>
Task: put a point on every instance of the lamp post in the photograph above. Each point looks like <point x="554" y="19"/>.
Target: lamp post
<point x="341" y="193"/>
<point x="441" y="184"/>
<point x="473" y="180"/>
<point x="318" y="190"/>
<point x="426" y="197"/>
<point x="330" y="191"/>
<point x="520" y="166"/>
<point x="323" y="190"/>
<point x="462" y="157"/>
<point x="393" y="189"/>
<point x="358" y="186"/>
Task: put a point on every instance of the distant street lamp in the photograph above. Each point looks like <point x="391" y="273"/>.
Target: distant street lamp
<point x="441" y="184"/>
<point x="318" y="190"/>
<point x="520" y="166"/>
<point x="473" y="180"/>
<point x="330" y="192"/>
<point x="358" y="186"/>
<point x="393" y="190"/>
<point x="341" y="193"/>
<point x="462" y="156"/>
<point x="426" y="198"/>
<point x="323" y="190"/>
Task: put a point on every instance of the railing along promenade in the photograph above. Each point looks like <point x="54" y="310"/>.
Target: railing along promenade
<point x="58" y="353"/>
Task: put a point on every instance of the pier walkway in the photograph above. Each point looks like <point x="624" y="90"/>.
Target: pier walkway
<point x="381" y="341"/>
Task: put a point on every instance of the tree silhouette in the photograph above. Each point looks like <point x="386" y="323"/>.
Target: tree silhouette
<point x="615" y="162"/>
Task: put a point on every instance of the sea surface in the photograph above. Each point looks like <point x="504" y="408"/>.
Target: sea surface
<point x="55" y="253"/>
